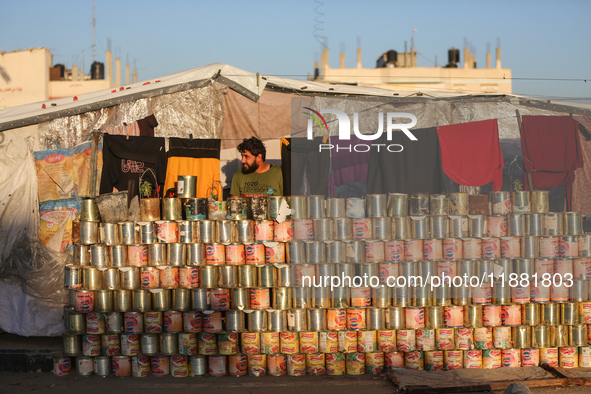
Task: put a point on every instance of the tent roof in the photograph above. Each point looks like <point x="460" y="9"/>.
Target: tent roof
<point x="246" y="83"/>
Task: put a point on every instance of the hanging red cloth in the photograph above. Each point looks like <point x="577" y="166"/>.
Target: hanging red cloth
<point x="471" y="153"/>
<point x="551" y="151"/>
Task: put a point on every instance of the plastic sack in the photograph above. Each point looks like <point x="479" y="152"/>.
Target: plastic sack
<point x="19" y="207"/>
<point x="55" y="229"/>
<point x="81" y="164"/>
<point x="55" y="173"/>
<point x="32" y="293"/>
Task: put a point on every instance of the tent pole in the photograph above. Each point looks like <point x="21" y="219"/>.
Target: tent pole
<point x="528" y="174"/>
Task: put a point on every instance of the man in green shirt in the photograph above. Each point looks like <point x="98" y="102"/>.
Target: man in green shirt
<point x="256" y="178"/>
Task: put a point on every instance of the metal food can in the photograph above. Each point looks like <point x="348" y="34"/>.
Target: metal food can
<point x="444" y="338"/>
<point x="277" y="364"/>
<point x="217" y="365"/>
<point x="362" y="228"/>
<point x="250" y="343"/>
<point x="110" y="345"/>
<point x="212" y="321"/>
<point x="217" y="210"/>
<point x="511" y="315"/>
<point x="255" y="253"/>
<point x="347" y="341"/>
<point x="464" y="338"/>
<point x="492" y="359"/>
<point x="296" y="364"/>
<point x="414" y="360"/>
<point x="130" y="344"/>
<point x="289" y="342"/>
<point x="452" y="359"/>
<point x="530" y="357"/>
<point x="257" y="321"/>
<point x="270" y="342"/>
<point x="516" y="225"/>
<point x="473" y="359"/>
<point x="71" y="344"/>
<point x="282" y="232"/>
<point x="568" y="357"/>
<point x="95" y="323"/>
<point x="355" y="363"/>
<point x="235" y="321"/>
<point x="237" y="365"/>
<point x="228" y="343"/>
<point x="425" y="339"/>
<point x="497" y="226"/>
<point x="367" y="341"/>
<point x="308" y="342"/>
<point x="91" y="345"/>
<point x="502" y="337"/>
<point x="356" y="318"/>
<point x="405" y="340"/>
<point x="134" y="322"/>
<point x="335" y="364"/>
<point x="549" y="356"/>
<point x="62" y="365"/>
<point x="483" y="338"/>
<point x="374" y="363"/>
<point x="434" y="360"/>
<point x="328" y="342"/>
<point x="169" y="277"/>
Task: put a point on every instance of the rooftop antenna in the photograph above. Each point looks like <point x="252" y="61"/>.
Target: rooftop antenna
<point x="93" y="28"/>
<point x="412" y="39"/>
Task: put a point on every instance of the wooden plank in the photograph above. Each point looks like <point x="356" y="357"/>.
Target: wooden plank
<point x="461" y="380"/>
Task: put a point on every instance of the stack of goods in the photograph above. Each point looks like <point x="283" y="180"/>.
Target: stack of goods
<point x="348" y="286"/>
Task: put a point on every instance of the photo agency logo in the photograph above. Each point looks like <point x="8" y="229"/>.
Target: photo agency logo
<point x="344" y="128"/>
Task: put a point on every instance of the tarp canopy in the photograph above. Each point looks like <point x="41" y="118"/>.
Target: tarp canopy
<point x="219" y="101"/>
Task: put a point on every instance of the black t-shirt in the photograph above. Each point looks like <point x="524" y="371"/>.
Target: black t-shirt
<point x="126" y="158"/>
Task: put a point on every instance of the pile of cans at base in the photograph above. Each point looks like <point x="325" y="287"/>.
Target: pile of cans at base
<point x="242" y="293"/>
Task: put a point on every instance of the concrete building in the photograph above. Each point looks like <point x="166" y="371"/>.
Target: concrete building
<point x="399" y="71"/>
<point x="29" y="76"/>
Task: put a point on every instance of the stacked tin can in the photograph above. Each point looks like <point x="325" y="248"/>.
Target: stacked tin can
<point x="516" y="290"/>
<point x="192" y="296"/>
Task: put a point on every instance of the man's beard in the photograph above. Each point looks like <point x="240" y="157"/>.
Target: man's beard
<point x="246" y="169"/>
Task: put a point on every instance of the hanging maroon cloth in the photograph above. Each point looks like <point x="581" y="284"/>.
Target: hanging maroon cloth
<point x="471" y="153"/>
<point x="551" y="152"/>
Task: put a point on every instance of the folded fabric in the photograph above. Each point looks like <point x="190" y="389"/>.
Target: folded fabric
<point x="551" y="151"/>
<point x="471" y="153"/>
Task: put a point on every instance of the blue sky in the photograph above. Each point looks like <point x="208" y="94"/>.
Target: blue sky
<point x="545" y="43"/>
